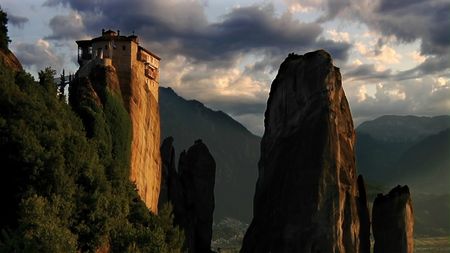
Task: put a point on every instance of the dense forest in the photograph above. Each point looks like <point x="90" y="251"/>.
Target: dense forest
<point x="63" y="177"/>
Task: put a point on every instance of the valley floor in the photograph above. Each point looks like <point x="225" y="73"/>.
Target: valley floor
<point x="421" y="245"/>
<point x="432" y="244"/>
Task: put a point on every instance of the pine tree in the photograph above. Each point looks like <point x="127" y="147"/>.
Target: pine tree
<point x="4" y="39"/>
<point x="62" y="84"/>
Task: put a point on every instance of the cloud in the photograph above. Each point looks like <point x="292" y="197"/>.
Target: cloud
<point x="68" y="27"/>
<point x="432" y="65"/>
<point x="38" y="56"/>
<point x="184" y="27"/>
<point x="366" y="72"/>
<point x="405" y="20"/>
<point x="229" y="63"/>
<point x="17" y="21"/>
<point x="339" y="36"/>
<point x="422" y="96"/>
<point x="417" y="57"/>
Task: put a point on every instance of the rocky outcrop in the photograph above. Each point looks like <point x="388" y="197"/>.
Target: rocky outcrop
<point x="118" y="94"/>
<point x="393" y="222"/>
<point x="10" y="60"/>
<point x="171" y="189"/>
<point x="191" y="192"/>
<point x="364" y="217"/>
<point x="168" y="164"/>
<point x="306" y="193"/>
<point x="142" y="104"/>
<point x="197" y="170"/>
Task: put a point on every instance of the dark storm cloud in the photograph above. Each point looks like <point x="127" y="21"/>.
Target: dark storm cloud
<point x="184" y="27"/>
<point x="17" y="21"/>
<point x="407" y="20"/>
<point x="68" y="27"/>
<point x="432" y="65"/>
<point x="366" y="72"/>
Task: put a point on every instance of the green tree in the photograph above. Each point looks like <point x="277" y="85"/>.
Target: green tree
<point x="47" y="79"/>
<point x="4" y="39"/>
<point x="62" y="85"/>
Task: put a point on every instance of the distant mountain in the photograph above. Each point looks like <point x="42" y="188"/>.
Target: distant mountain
<point x="235" y="149"/>
<point x="382" y="142"/>
<point x="426" y="165"/>
<point x="393" y="128"/>
<point x="411" y="150"/>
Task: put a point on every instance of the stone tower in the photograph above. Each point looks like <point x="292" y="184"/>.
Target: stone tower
<point x="138" y="72"/>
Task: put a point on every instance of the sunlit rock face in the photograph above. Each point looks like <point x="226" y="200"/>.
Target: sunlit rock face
<point x="306" y="195"/>
<point x="143" y="107"/>
<point x="131" y="95"/>
<point x="10" y="60"/>
<point x="393" y="222"/>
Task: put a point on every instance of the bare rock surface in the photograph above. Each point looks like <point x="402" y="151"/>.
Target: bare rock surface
<point x="393" y="222"/>
<point x="364" y="217"/>
<point x="171" y="188"/>
<point x="10" y="60"/>
<point x="141" y="105"/>
<point x="197" y="172"/>
<point x="191" y="192"/>
<point x="306" y="197"/>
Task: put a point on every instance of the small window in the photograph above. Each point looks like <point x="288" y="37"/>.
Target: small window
<point x="123" y="47"/>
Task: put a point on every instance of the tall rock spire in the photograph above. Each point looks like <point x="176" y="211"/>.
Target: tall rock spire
<point x="393" y="222"/>
<point x="306" y="194"/>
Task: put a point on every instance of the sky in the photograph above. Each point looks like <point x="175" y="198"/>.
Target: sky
<point x="394" y="55"/>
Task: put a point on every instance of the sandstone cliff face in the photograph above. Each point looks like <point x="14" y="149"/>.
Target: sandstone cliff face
<point x="306" y="193"/>
<point x="143" y="107"/>
<point x="10" y="60"/>
<point x="191" y="192"/>
<point x="134" y="98"/>
<point x="393" y="222"/>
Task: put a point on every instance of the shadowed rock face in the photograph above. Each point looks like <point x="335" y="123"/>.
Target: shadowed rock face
<point x="393" y="222"/>
<point x="306" y="194"/>
<point x="171" y="189"/>
<point x="364" y="217"/>
<point x="191" y="192"/>
<point x="197" y="170"/>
